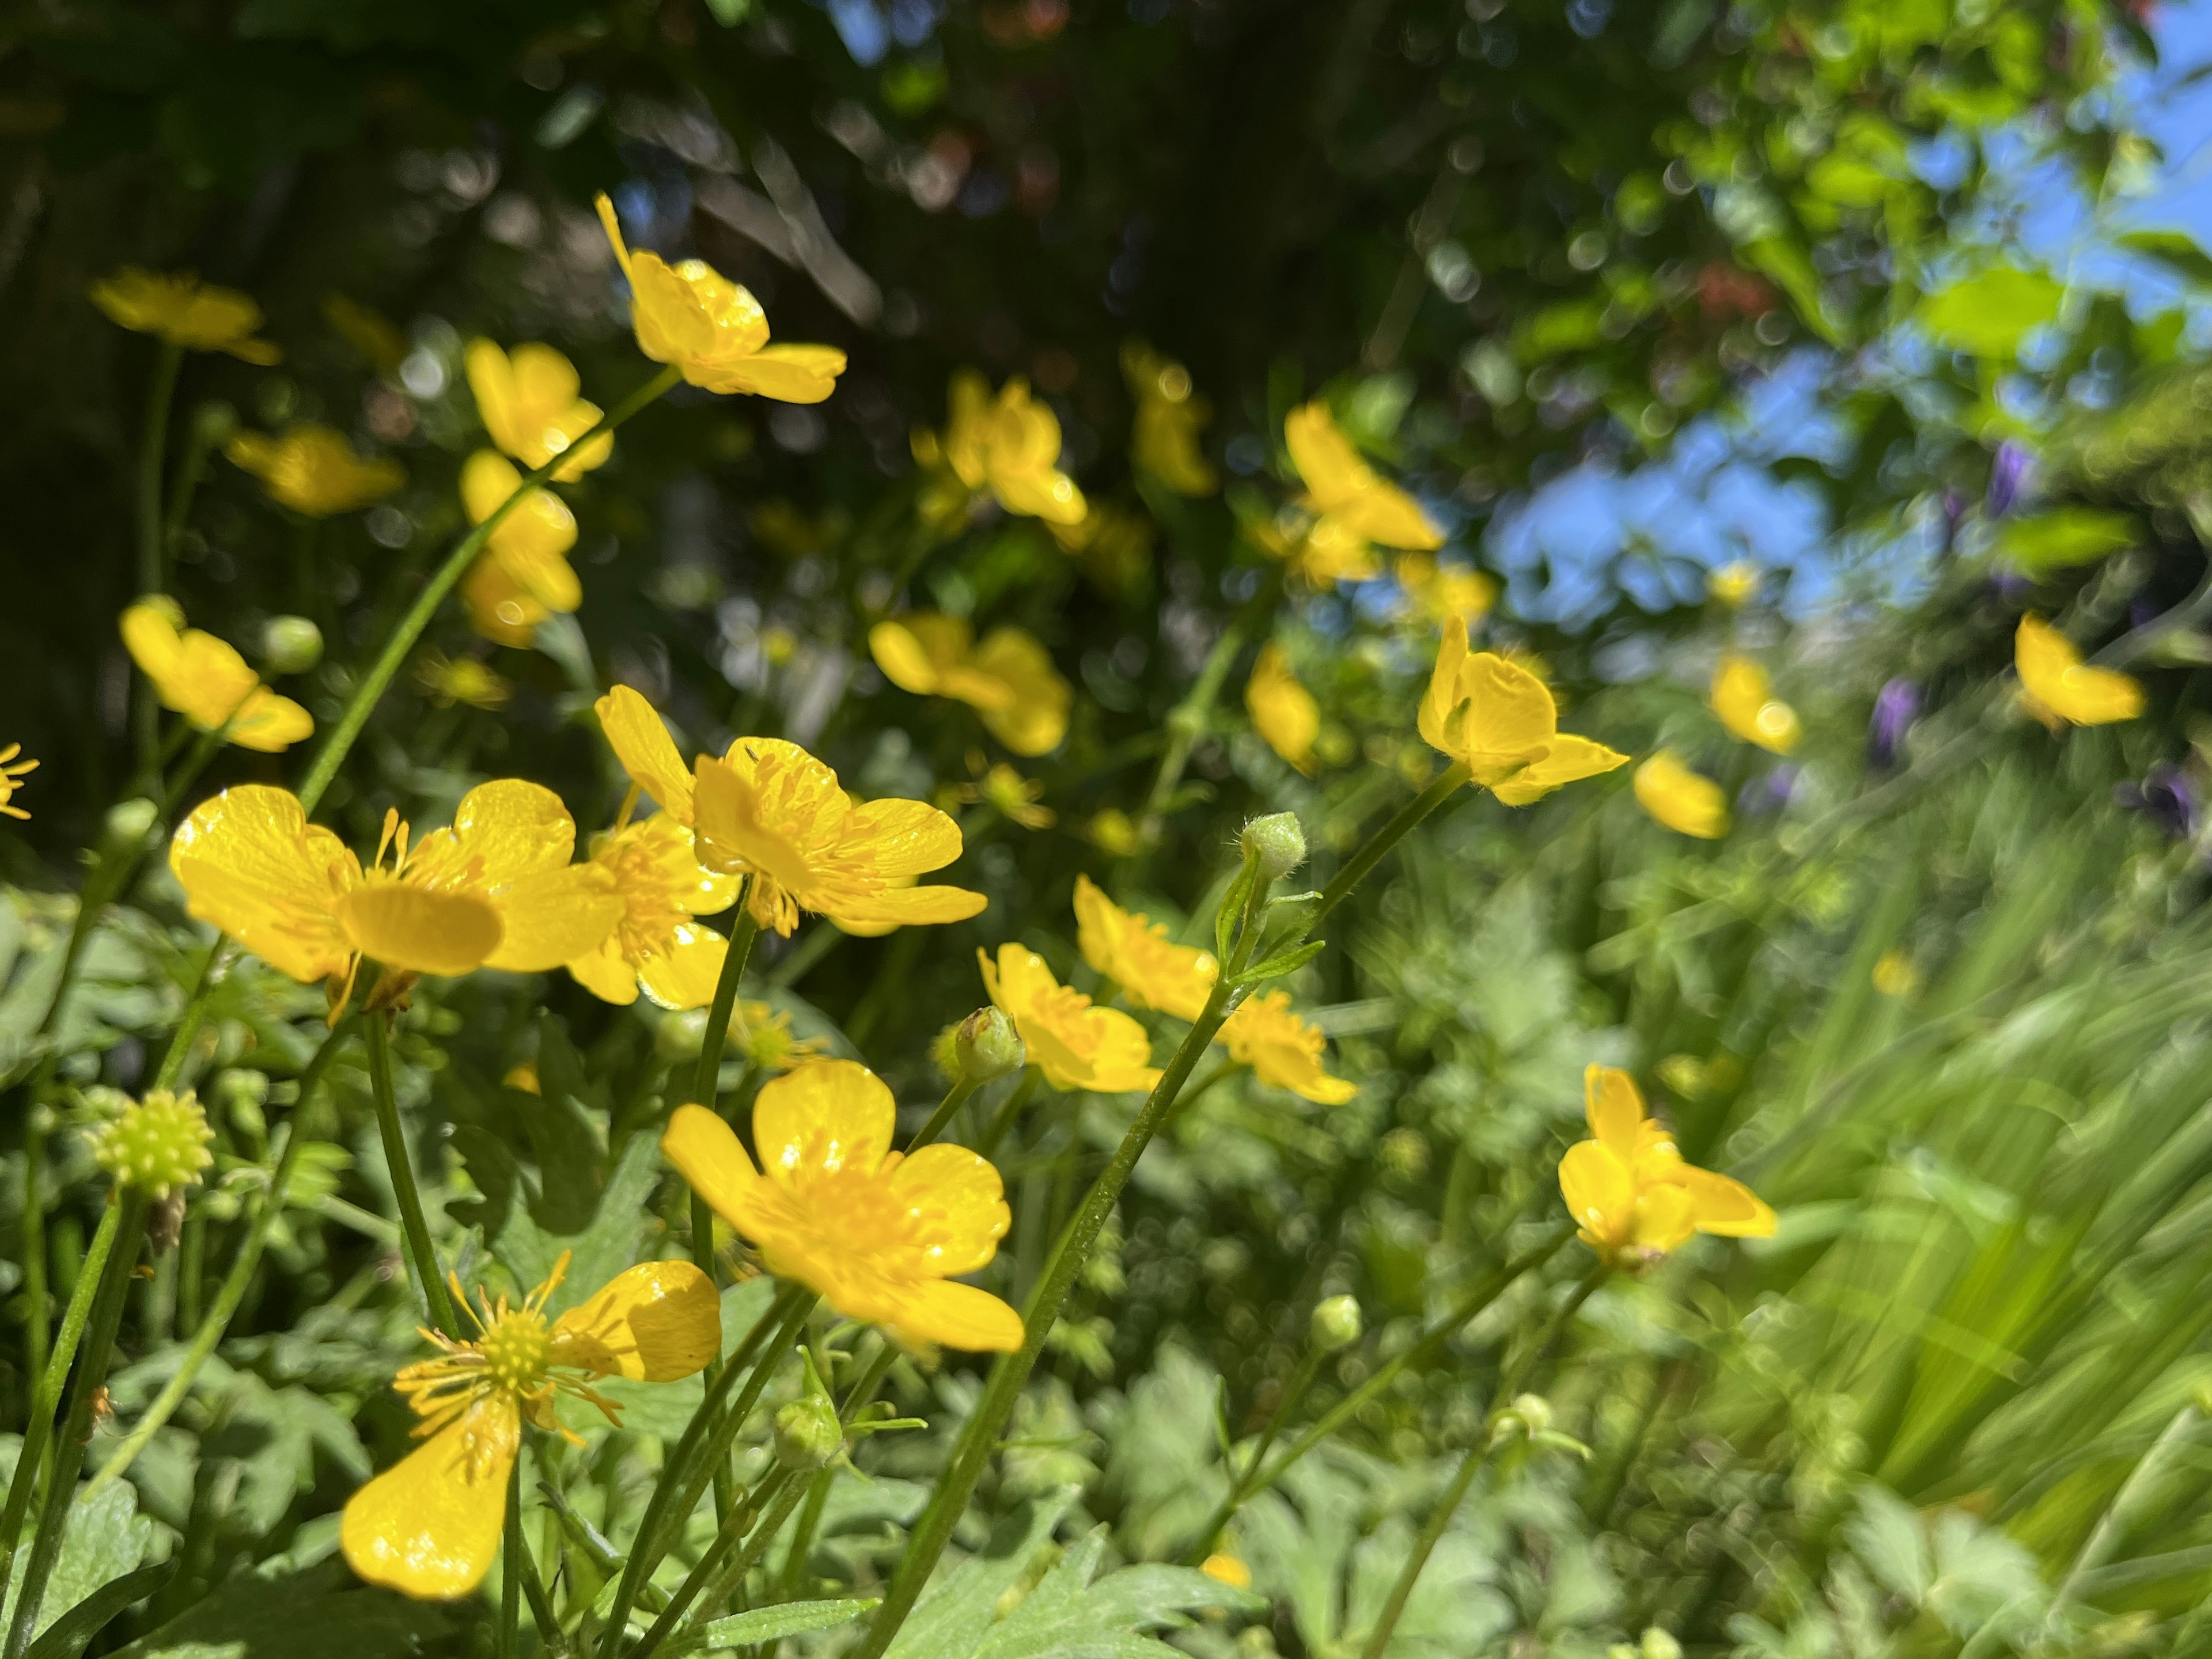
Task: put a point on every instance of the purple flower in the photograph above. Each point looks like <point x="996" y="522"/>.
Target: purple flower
<point x="1896" y="705"/>
<point x="2008" y="476"/>
<point x="2167" y="797"/>
<point x="1767" y="793"/>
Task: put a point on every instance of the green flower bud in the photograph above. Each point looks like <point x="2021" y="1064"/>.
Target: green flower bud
<point x="1277" y="842"/>
<point x="1335" y="1324"/>
<point x="290" y="645"/>
<point x="807" y="1433"/>
<point x="680" y="1036"/>
<point x="1658" y="1644"/>
<point x="988" y="1046"/>
<point x="157" y="1146"/>
<point x="130" y="822"/>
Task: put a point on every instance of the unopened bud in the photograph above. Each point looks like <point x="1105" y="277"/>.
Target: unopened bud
<point x="130" y="822"/>
<point x="807" y="1433"/>
<point x="291" y="645"/>
<point x="158" y="1145"/>
<point x="988" y="1046"/>
<point x="680" y="1036"/>
<point x="166" y="608"/>
<point x="1277" y="842"/>
<point x="1335" y="1324"/>
<point x="1658" y="1644"/>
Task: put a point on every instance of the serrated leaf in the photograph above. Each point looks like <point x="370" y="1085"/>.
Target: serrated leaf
<point x="598" y="1250"/>
<point x="324" y="1611"/>
<point x="105" y="1538"/>
<point x="1275" y="967"/>
<point x="789" y="1619"/>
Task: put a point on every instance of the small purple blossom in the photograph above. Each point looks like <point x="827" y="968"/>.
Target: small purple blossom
<point x="2167" y="797"/>
<point x="2008" y="476"/>
<point x="1896" y="705"/>
<point x="1769" y="792"/>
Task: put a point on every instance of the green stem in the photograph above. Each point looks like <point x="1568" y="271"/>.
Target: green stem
<point x="195" y="1014"/>
<point x="1003" y="1119"/>
<point x="746" y="1526"/>
<point x="1356" y="868"/>
<point x="421" y="1255"/>
<point x="217" y="1322"/>
<point x="1240" y="1481"/>
<point x="510" y="1568"/>
<point x="380" y="676"/>
<point x="955" y="1099"/>
<point x="1185" y="722"/>
<point x="86" y="1381"/>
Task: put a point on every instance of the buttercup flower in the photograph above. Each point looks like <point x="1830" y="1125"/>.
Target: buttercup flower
<point x="429" y="1526"/>
<point x="449" y="680"/>
<point x="1629" y="1192"/>
<point x="1437" y="592"/>
<point x="768" y="809"/>
<point x="185" y="311"/>
<point x="1283" y="1050"/>
<point x="495" y="890"/>
<point x="1679" y="798"/>
<point x="1500" y="721"/>
<point x="313" y="470"/>
<point x="1352" y="505"/>
<point x="1113" y="831"/>
<point x="656" y="946"/>
<point x="1283" y="711"/>
<point x="691" y="317"/>
<point x="1005" y="792"/>
<point x="1075" y="1043"/>
<point x="1008" y="445"/>
<point x="529" y="402"/>
<point x="1743" y="697"/>
<point x="529" y="547"/>
<point x="1135" y="952"/>
<point x="206" y="681"/>
<point x="1163" y="439"/>
<point x="2060" y="689"/>
<point x="881" y="1237"/>
<point x="1008" y="679"/>
<point x="12" y="774"/>
<point x="367" y="331"/>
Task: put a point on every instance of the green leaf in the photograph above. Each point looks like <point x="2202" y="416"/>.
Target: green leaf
<point x="2067" y="535"/>
<point x="1289" y="962"/>
<point x="105" y="1538"/>
<point x="1988" y="315"/>
<point x="324" y="1611"/>
<point x="598" y="1250"/>
<point x="68" y="1635"/>
<point x="2173" y="248"/>
<point x="790" y="1619"/>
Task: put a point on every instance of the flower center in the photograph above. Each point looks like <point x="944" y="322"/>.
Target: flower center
<point x="516" y="1350"/>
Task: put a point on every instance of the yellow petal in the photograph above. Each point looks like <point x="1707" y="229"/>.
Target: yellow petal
<point x="640" y="742"/>
<point x="268" y="723"/>
<point x="1743" y="697"/>
<point x="1569" y="760"/>
<point x="654" y="1324"/>
<point x="1679" y="798"/>
<point x="1332" y="472"/>
<point x="1600" y="1192"/>
<point x="1035" y="716"/>
<point x="901" y="657"/>
<point x="956" y="1315"/>
<point x="511" y="828"/>
<point x="249" y="863"/>
<point x="1614" y="1108"/>
<point x="826" y="1114"/>
<point x="1726" y="1206"/>
<point x="907" y="907"/>
<point x="957" y="1205"/>
<point x="903" y="837"/>
<point x="606" y="973"/>
<point x="788" y="373"/>
<point x="707" y="1152"/>
<point x="1665" y="1217"/>
<point x="686" y="974"/>
<point x="1283" y="712"/>
<point x="429" y="1526"/>
<point x="554" y="916"/>
<point x="2057" y="680"/>
<point x="418" y="929"/>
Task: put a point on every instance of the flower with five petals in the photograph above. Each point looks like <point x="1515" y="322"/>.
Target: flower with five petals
<point x="1008" y="679"/>
<point x="312" y="470"/>
<point x="1283" y="1050"/>
<point x="880" y="1235"/>
<point x="1353" y="507"/>
<point x="2060" y="689"/>
<point x="1631" y="1193"/>
<point x="656" y="946"/>
<point x="1008" y="445"/>
<point x="1135" y="952"/>
<point x="524" y="576"/>
<point x="185" y="311"/>
<point x="529" y="399"/>
<point x="1499" y="720"/>
<point x="1074" y="1041"/>
<point x="207" y="682"/>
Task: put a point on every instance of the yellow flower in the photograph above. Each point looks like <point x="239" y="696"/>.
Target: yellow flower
<point x="769" y="808"/>
<point x="367" y="331"/>
<point x="1679" y="798"/>
<point x="495" y="891"/>
<point x="449" y="680"/>
<point x="1629" y="1192"/>
<point x="1008" y="679"/>
<point x="1894" y="976"/>
<point x="1352" y="504"/>
<point x="429" y="1526"/>
<point x="313" y="470"/>
<point x="208" y="683"/>
<point x="530" y="405"/>
<point x="1075" y="1043"/>
<point x="1319" y="552"/>
<point x="880" y="1235"/>
<point x="1163" y="440"/>
<point x="1283" y="1050"/>
<point x="1135" y="953"/>
<point x="1744" y="699"/>
<point x="184" y="312"/>
<point x="1227" y="1569"/>
<point x="1114" y="832"/>
<point x="530" y="545"/>
<point x="763" y="1037"/>
<point x="1007" y="793"/>
<point x="1283" y="711"/>
<point x="656" y="946"/>
<point x="1733" y="583"/>
<point x="2061" y="689"/>
<point x="1500" y="721"/>
<point x="1113" y="545"/>
<point x="12" y="774"/>
<point x="691" y="317"/>
<point x="1010" y="445"/>
<point x="498" y="610"/>
<point x="1439" y="592"/>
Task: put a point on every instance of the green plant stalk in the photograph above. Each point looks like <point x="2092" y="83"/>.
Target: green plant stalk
<point x="86" y="1381"/>
<point x="510" y="1573"/>
<point x="381" y="674"/>
<point x="1356" y="868"/>
<point x="955" y="1099"/>
<point x="38" y="1429"/>
<point x="217" y="1322"/>
<point x="421" y="1255"/>
<point x="979" y="1439"/>
<point x="1240" y="1481"/>
<point x="707" y="1081"/>
<point x="195" y="1014"/>
<point x="1185" y="722"/>
<point x="1003" y="1119"/>
<point x="778" y="1489"/>
<point x="817" y="1495"/>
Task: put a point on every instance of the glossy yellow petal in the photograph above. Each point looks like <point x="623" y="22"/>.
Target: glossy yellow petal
<point x="826" y="1114"/>
<point x="1726" y="1206"/>
<point x="1665" y="1217"/>
<point x="1569" y="760"/>
<point x="530" y="405"/>
<point x="554" y="916"/>
<point x="640" y="742"/>
<point x="788" y="373"/>
<point x="1743" y="697"/>
<point x="1614" y="1108"/>
<point x="1327" y="463"/>
<point x="429" y="1526"/>
<point x="707" y="1152"/>
<point x="499" y="609"/>
<point x="904" y="837"/>
<point x="960" y="1316"/>
<point x="418" y="929"/>
<point x="1283" y="1050"/>
<point x="511" y="828"/>
<point x="1600" y="1192"/>
<point x="1492" y="714"/>
<point x="907" y="907"/>
<point x="531" y="544"/>
<point x="1033" y="717"/>
<point x="1283" y="712"/>
<point x="654" y="1324"/>
<point x="2061" y="687"/>
<point x="1685" y="802"/>
<point x="606" y="973"/>
<point x="268" y="723"/>
<point x="900" y="654"/>
<point x="251" y="864"/>
<point x="313" y="469"/>
<point x="956" y="1205"/>
<point x="684" y="974"/>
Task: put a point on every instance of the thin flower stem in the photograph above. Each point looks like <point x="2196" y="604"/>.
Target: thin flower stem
<point x="421" y="1255"/>
<point x="1356" y="868"/>
<point x="818" y="1497"/>
<point x="510" y="1568"/>
<point x="1003" y="1119"/>
<point x="1241" y="1482"/>
<point x="955" y="1099"/>
<point x="212" y="1329"/>
<point x="378" y="679"/>
<point x="779" y="1492"/>
<point x="1186" y="721"/>
<point x="86" y="1381"/>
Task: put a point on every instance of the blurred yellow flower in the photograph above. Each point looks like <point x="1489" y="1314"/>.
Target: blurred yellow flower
<point x="1733" y="583"/>
<point x="312" y="470"/>
<point x="1008" y="445"/>
<point x="764" y="1039"/>
<point x="1135" y="953"/>
<point x="1283" y="1050"/>
<point x="1075" y="1043"/>
<point x="185" y="311"/>
<point x="1743" y="697"/>
<point x="1894" y="976"/>
<point x="1115" y="832"/>
<point x="1439" y="591"/>
<point x="12" y="774"/>
<point x="691" y="317"/>
<point x="1007" y="792"/>
<point x="2060" y="689"/>
<point x="1319" y="552"/>
<point x="656" y="946"/>
<point x="368" y="332"/>
<point x="530" y="545"/>
<point x="880" y="1235"/>
<point x="1227" y="1569"/>
<point x="1501" y="722"/>
<point x="1163" y="438"/>
<point x="207" y="682"/>
<point x="449" y="680"/>
<point x="1632" y="1195"/>
<point x="523" y="1076"/>
<point x="1679" y="798"/>
<point x="495" y="891"/>
<point x="1113" y="545"/>
<point x="1283" y="711"/>
<point x="1008" y="679"/>
<point x="498" y="609"/>
<point x="1352" y="505"/>
<point x="530" y="405"/>
<point x="429" y="1526"/>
